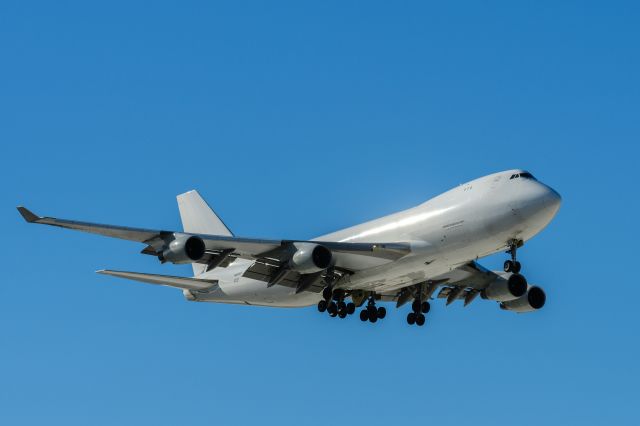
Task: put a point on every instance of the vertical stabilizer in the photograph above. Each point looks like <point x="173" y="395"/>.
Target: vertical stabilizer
<point x="198" y="218"/>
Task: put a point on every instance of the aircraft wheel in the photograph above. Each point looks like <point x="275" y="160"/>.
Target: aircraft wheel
<point x="420" y="320"/>
<point x="364" y="315"/>
<point x="333" y="314"/>
<point x="411" y="318"/>
<point x="332" y="309"/>
<point x="425" y="307"/>
<point x="516" y="267"/>
<point x="322" y="306"/>
<point x="508" y="266"/>
<point x="351" y="308"/>
<point x="327" y="293"/>
<point x="382" y="312"/>
<point x="415" y="306"/>
<point x="373" y="313"/>
<point x="342" y="314"/>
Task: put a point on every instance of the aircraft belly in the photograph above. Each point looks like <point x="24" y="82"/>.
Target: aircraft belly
<point x="421" y="268"/>
<point x="254" y="292"/>
<point x="397" y="274"/>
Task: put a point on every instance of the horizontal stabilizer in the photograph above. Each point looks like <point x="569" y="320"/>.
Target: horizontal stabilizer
<point x="166" y="280"/>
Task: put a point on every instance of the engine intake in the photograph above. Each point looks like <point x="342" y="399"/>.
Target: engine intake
<point x="503" y="290"/>
<point x="532" y="301"/>
<point x="183" y="249"/>
<point x="309" y="258"/>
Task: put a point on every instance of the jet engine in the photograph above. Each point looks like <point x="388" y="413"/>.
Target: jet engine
<point x="309" y="258"/>
<point x="505" y="289"/>
<point x="533" y="300"/>
<point x="183" y="249"/>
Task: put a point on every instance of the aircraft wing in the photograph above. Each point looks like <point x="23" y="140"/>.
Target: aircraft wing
<point x="221" y="250"/>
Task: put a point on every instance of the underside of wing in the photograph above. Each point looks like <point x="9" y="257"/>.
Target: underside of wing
<point x="463" y="283"/>
<point x="166" y="280"/>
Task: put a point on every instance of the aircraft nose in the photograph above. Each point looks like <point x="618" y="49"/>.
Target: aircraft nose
<point x="537" y="204"/>
<point x="553" y="200"/>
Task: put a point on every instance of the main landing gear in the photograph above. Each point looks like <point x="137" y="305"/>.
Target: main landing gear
<point x="371" y="313"/>
<point x="513" y="265"/>
<point x="419" y="308"/>
<point x="334" y="304"/>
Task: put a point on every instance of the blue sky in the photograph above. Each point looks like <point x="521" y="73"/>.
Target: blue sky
<point x="294" y="120"/>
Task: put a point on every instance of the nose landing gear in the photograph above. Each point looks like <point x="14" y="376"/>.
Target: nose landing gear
<point x="513" y="265"/>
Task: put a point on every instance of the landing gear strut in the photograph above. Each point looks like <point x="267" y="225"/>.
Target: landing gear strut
<point x="371" y="313"/>
<point x="513" y="265"/>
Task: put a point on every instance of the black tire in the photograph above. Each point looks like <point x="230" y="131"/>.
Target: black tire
<point x="364" y="315"/>
<point x="517" y="267"/>
<point x="420" y="320"/>
<point x="373" y="313"/>
<point x="425" y="308"/>
<point x="322" y="306"/>
<point x="508" y="266"/>
<point x="332" y="308"/>
<point x="342" y="306"/>
<point x="351" y="308"/>
<point x="415" y="306"/>
<point x="411" y="318"/>
<point x="382" y="312"/>
<point x="327" y="293"/>
<point x="342" y="314"/>
<point x="333" y="314"/>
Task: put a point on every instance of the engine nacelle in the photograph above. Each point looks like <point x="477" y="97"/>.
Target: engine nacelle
<point x="183" y="249"/>
<point x="503" y="290"/>
<point x="310" y="258"/>
<point x="533" y="300"/>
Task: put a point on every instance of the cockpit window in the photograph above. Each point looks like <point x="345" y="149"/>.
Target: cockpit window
<point x="527" y="175"/>
<point x="524" y="175"/>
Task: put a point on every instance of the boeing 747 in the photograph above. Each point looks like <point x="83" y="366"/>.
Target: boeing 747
<point x="426" y="252"/>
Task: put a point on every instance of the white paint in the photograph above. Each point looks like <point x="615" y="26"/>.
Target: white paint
<point x="471" y="221"/>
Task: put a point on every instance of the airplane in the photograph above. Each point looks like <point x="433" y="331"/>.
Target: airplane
<point x="403" y="257"/>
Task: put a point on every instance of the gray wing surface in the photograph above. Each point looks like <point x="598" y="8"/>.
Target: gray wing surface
<point x="229" y="247"/>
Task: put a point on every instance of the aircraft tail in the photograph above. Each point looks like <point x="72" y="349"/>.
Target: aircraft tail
<point x="198" y="218"/>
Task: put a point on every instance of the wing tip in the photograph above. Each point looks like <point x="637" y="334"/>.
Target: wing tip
<point x="28" y="215"/>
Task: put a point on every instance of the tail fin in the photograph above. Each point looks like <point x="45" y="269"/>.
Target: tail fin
<point x="198" y="218"/>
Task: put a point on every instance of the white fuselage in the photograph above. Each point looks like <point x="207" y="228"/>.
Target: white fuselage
<point x="474" y="220"/>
